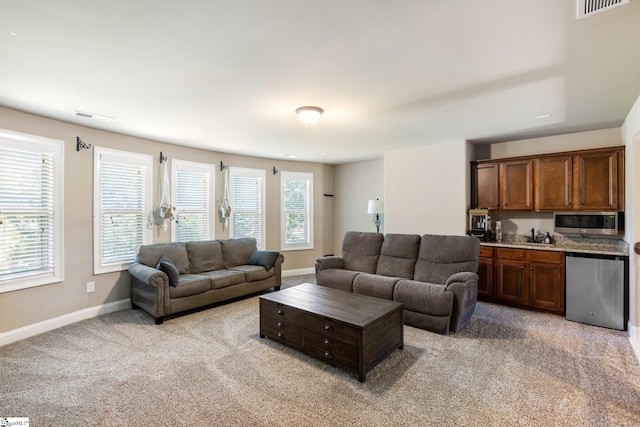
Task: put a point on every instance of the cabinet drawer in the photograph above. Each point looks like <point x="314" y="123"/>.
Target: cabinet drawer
<point x="331" y="328"/>
<point x="289" y="337"/>
<point x="545" y="256"/>
<point x="273" y="313"/>
<point x="330" y="349"/>
<point x="486" y="252"/>
<point x="515" y="254"/>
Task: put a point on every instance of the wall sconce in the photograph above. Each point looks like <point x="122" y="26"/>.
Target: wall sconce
<point x="309" y="115"/>
<point x="376" y="207"/>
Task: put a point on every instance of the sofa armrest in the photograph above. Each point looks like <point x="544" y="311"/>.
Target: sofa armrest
<point x="464" y="287"/>
<point x="148" y="275"/>
<point x="328" y="262"/>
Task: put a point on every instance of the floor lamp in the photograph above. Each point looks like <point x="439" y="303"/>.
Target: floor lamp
<point x="376" y="207"/>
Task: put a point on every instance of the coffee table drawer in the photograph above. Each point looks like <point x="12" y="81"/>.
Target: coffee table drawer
<point x="330" y="349"/>
<point x="273" y="313"/>
<point x="331" y="328"/>
<point x="289" y="337"/>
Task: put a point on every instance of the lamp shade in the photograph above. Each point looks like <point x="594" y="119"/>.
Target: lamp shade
<point x="309" y="115"/>
<point x="375" y="207"/>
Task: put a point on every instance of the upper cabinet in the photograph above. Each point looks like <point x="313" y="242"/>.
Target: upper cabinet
<point x="590" y="180"/>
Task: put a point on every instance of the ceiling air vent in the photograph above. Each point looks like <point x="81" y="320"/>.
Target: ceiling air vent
<point x="591" y="7"/>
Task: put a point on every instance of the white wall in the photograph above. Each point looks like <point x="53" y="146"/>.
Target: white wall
<point x="631" y="137"/>
<point x="427" y="189"/>
<point x="355" y="185"/>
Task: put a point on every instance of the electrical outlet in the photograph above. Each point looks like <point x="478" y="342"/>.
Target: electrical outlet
<point x="91" y="287"/>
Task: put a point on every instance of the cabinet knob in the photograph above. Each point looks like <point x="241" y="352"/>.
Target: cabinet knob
<point x="327" y="342"/>
<point x="279" y="312"/>
<point x="327" y="327"/>
<point x="280" y="335"/>
<point x="279" y="324"/>
<point x="327" y="355"/>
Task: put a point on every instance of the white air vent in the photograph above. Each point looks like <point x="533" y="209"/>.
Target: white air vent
<point x="92" y="116"/>
<point x="591" y="7"/>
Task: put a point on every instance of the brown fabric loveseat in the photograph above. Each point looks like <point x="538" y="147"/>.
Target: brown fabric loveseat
<point x="168" y="278"/>
<point x="433" y="276"/>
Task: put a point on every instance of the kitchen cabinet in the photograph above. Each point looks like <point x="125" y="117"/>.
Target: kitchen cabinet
<point x="486" y="185"/>
<point x="591" y="180"/>
<point x="516" y="185"/>
<point x="525" y="278"/>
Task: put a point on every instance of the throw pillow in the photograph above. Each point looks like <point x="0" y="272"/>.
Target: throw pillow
<point x="267" y="259"/>
<point x="165" y="265"/>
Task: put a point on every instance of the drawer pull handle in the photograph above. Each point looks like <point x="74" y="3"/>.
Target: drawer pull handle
<point x="327" y="355"/>
<point x="327" y="327"/>
<point x="279" y="324"/>
<point x="327" y="342"/>
<point x="279" y="312"/>
<point x="280" y="335"/>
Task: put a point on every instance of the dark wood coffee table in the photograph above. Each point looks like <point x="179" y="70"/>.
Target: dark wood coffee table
<point x="349" y="330"/>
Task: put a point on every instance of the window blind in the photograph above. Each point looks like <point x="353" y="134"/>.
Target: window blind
<point x="193" y="205"/>
<point x="26" y="213"/>
<point x="247" y="203"/>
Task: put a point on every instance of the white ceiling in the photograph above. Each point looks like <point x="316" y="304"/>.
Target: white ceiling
<point x="228" y="75"/>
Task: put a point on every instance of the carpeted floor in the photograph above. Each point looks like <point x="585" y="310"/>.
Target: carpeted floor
<point x="508" y="367"/>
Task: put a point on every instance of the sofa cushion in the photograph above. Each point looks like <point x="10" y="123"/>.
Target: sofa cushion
<point x="189" y="284"/>
<point x="205" y="256"/>
<point x="425" y="298"/>
<point x="177" y="252"/>
<point x="237" y="251"/>
<point x="398" y="255"/>
<point x="361" y="251"/>
<point x="165" y="265"/>
<point x="223" y="278"/>
<point x="441" y="256"/>
<point x="337" y="279"/>
<point x="254" y="273"/>
<point x="266" y="259"/>
<point x="374" y="285"/>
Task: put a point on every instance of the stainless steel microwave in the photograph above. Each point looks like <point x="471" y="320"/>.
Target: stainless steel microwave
<point x="589" y="223"/>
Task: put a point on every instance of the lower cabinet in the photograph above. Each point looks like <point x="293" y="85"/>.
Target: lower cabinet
<point x="522" y="277"/>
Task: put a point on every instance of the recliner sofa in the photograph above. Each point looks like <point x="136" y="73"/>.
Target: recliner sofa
<point x="435" y="277"/>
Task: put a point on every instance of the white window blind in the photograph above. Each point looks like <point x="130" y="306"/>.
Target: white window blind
<point x="192" y="195"/>
<point x="31" y="201"/>
<point x="247" y="194"/>
<point x="297" y="210"/>
<point x="122" y="200"/>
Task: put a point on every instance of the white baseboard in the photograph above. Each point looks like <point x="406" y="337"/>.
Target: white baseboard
<point x="634" y="332"/>
<point x="298" y="272"/>
<point x="66" y="319"/>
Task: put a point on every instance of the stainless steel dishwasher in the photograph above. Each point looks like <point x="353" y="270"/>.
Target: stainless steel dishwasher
<point x="595" y="289"/>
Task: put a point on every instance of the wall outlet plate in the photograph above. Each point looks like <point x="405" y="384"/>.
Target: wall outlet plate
<point x="91" y="287"/>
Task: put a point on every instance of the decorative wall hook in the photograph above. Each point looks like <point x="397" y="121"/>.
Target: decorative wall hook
<point x="275" y="171"/>
<point x="81" y="145"/>
<point x="223" y="166"/>
<point x="162" y="158"/>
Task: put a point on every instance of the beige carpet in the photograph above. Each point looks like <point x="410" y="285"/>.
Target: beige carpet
<point x="508" y="367"/>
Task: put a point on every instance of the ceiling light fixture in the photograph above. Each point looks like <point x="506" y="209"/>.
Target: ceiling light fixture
<point x="309" y="115"/>
<point x="92" y="116"/>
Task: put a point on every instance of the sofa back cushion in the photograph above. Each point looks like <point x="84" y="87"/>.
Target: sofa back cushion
<point x="441" y="256"/>
<point x="237" y="251"/>
<point x="176" y="252"/>
<point x="361" y="250"/>
<point x="205" y="256"/>
<point x="398" y="255"/>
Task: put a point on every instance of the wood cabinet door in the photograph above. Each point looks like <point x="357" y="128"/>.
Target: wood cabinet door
<point x="485" y="272"/>
<point x="485" y="188"/>
<point x="516" y="185"/>
<point x="510" y="280"/>
<point x="546" y="286"/>
<point x="596" y="181"/>
<point x="553" y="183"/>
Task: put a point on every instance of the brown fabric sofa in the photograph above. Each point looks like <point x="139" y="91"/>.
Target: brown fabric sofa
<point x="168" y="278"/>
<point x="433" y="276"/>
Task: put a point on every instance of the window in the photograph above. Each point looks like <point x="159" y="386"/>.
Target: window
<point x="247" y="194"/>
<point x="192" y="186"/>
<point x="31" y="210"/>
<point x="121" y="201"/>
<point x="297" y="210"/>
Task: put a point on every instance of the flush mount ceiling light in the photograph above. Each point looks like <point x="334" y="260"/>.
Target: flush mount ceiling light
<point x="92" y="116"/>
<point x="309" y="115"/>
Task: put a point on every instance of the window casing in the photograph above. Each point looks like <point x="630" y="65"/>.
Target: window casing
<point x="31" y="210"/>
<point x="192" y="194"/>
<point x="122" y="200"/>
<point x="296" y="210"/>
<point x="247" y="195"/>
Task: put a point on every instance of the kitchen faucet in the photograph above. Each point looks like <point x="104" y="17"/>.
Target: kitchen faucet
<point x="533" y="236"/>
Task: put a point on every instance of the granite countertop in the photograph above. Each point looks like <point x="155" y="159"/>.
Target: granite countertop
<point x="563" y="244"/>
